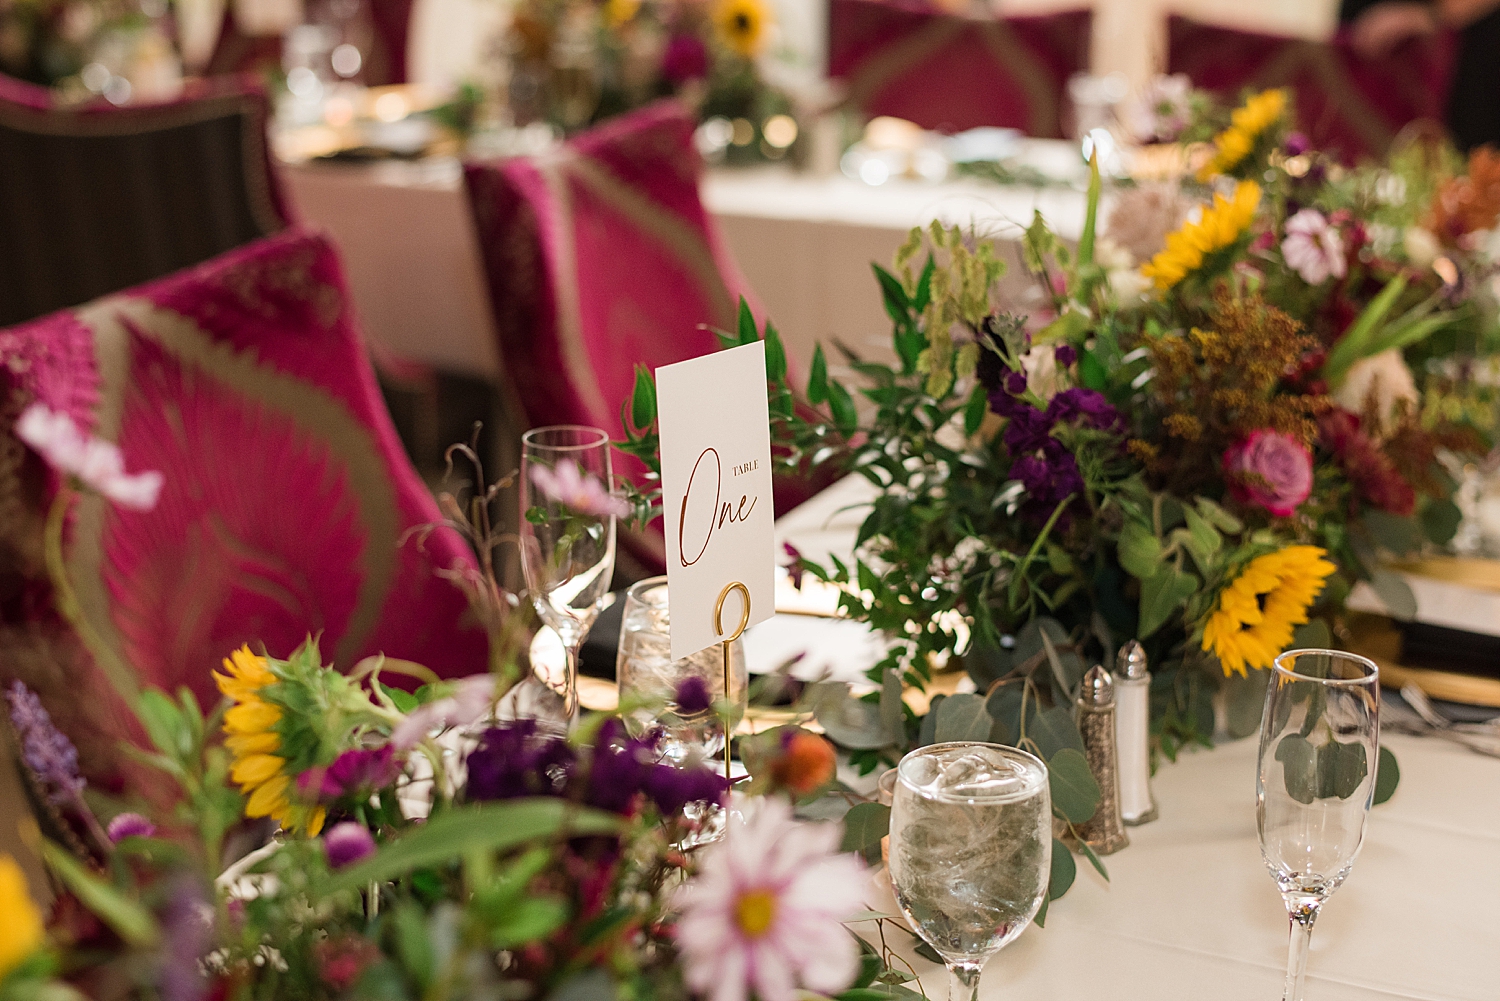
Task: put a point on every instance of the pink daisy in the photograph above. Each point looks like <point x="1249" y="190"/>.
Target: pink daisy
<point x="763" y="914"/>
<point x="94" y="463"/>
<point x="580" y="492"/>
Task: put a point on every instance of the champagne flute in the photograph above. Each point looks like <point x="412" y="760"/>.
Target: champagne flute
<point x="1319" y="748"/>
<point x="970" y="850"/>
<point x="567" y="542"/>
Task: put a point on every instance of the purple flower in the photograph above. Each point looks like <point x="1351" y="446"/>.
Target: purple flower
<point x="50" y="755"/>
<point x="1271" y="469"/>
<point x="1027" y="431"/>
<point x="672" y="788"/>
<point x="1313" y="247"/>
<point x="1065" y="355"/>
<point x="514" y="760"/>
<point x="347" y="843"/>
<point x="693" y="697"/>
<point x="129" y="825"/>
<point x="580" y="492"/>
<point x="1296" y="144"/>
<point x="794" y="568"/>
<point x="353" y="772"/>
<point x="1083" y="406"/>
<point x="1015" y="383"/>
<point x="685" y="58"/>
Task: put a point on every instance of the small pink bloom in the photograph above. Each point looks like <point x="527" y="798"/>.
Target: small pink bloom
<point x="347" y="843"/>
<point x="472" y="698"/>
<point x="129" y="825"/>
<point x="583" y="493"/>
<point x="763" y="913"/>
<point x="1313" y="248"/>
<point x="1271" y="469"/>
<point x="96" y="464"/>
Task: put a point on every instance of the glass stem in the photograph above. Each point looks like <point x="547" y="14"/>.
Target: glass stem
<point x="963" y="981"/>
<point x="1303" y="910"/>
<point x="570" y="682"/>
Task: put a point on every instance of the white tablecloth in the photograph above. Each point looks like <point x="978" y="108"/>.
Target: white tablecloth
<point x="803" y="243"/>
<point x="1190" y="910"/>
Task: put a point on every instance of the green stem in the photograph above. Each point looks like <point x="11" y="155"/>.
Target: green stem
<point x="119" y="674"/>
<point x="1036" y="546"/>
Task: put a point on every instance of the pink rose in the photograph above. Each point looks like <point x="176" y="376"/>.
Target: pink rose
<point x="1271" y="469"/>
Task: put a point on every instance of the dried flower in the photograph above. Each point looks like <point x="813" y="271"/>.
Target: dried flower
<point x="94" y="463"/>
<point x="1271" y="469"/>
<point x="1368" y="468"/>
<point x="1313" y="248"/>
<point x="347" y="843"/>
<point x="763" y="913"/>
<point x="580" y="492"/>
<point x="48" y="753"/>
<point x="129" y="825"/>
<point x="1468" y="203"/>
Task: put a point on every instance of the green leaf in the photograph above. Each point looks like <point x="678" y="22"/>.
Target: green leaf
<point x="1221" y="519"/>
<point x="1440" y="520"/>
<point x="1387" y="776"/>
<point x="1356" y="342"/>
<point x="530" y="920"/>
<point x="897" y="306"/>
<point x="1075" y="793"/>
<point x="1053" y="731"/>
<point x="924" y="286"/>
<point x="974" y="411"/>
<point x="1162" y="594"/>
<point x="1313" y="635"/>
<point x="643" y="399"/>
<point x="405" y="701"/>
<point x="1088" y="852"/>
<point x="1245" y="702"/>
<point x="1091" y="371"/>
<point x="127" y="917"/>
<point x="413" y="945"/>
<point x="1397" y="534"/>
<point x="1203" y="539"/>
<point x="817" y="380"/>
<point x="849" y="722"/>
<point x="747" y="331"/>
<point x="492" y="827"/>
<point x="842" y="406"/>
<point x="962" y="717"/>
<point x="1395" y="593"/>
<point x="164" y="723"/>
<point x="775" y="355"/>
<point x="1064" y="871"/>
<point x="864" y="825"/>
<point x="1299" y="767"/>
<point x="1067" y="328"/>
<point x="1341" y="769"/>
<point x="1139" y="550"/>
<point x="892" y="711"/>
<point x="1086" y="240"/>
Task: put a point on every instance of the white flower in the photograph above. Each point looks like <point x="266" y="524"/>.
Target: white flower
<point x="764" y="912"/>
<point x="1374" y="388"/>
<point x="1422" y="248"/>
<point x="1161" y="110"/>
<point x="1313" y="248"/>
<point x="94" y="463"/>
<point x="472" y="697"/>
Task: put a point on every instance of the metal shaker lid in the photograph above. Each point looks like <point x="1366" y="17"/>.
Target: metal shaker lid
<point x="1131" y="661"/>
<point x="1098" y="688"/>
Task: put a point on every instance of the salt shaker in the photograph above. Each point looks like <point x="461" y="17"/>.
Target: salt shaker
<point x="1104" y="832"/>
<point x="1133" y="734"/>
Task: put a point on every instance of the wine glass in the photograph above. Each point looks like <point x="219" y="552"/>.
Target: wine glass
<point x="970" y="850"/>
<point x="567" y="542"/>
<point x="644" y="668"/>
<point x="1319" y="747"/>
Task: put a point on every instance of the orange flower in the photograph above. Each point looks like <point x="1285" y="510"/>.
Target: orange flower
<point x="806" y="763"/>
<point x="1472" y="202"/>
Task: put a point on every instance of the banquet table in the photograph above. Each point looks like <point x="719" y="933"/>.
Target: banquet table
<point x="1190" y="911"/>
<point x="804" y="244"/>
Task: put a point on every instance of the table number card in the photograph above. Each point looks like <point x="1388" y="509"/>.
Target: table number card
<point x="716" y="492"/>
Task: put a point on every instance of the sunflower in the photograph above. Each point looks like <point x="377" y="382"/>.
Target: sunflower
<point x="1259" y="611"/>
<point x="742" y="25"/>
<point x="1246" y="125"/>
<point x="1220" y="226"/>
<point x="21" y="929"/>
<point x="621" y="12"/>
<point x="252" y="726"/>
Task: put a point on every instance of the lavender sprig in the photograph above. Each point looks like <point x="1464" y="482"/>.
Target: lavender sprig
<point x="50" y="755"/>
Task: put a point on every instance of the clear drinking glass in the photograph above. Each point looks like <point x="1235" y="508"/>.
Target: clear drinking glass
<point x="567" y="542"/>
<point x="1319" y="747"/>
<point x="971" y="851"/>
<point x="644" y="667"/>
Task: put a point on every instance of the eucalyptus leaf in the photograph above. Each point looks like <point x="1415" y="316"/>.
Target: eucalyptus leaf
<point x="1075" y="793"/>
<point x="891" y="712"/>
<point x="1162" y="594"/>
<point x="1245" y="702"/>
<point x="962" y="717"/>
<point x="1394" y="533"/>
<point x="848" y="721"/>
<point x="1299" y="767"/>
<point x="1440" y="521"/>
<point x="864" y="825"/>
<point x="1054" y="730"/>
<point x="1341" y="769"/>
<point x="1387" y="776"/>
<point x="1139" y="550"/>
<point x="1088" y="852"/>
<point x="1313" y="635"/>
<point x="1064" y="870"/>
<point x="1395" y="593"/>
<point x="927" y="732"/>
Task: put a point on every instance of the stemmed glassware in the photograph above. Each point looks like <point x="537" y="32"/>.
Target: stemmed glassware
<point x="1319" y="748"/>
<point x="567" y="543"/>
<point x="970" y="850"/>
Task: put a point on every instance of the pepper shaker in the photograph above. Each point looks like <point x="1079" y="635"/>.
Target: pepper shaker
<point x="1104" y="832"/>
<point x="1133" y="734"/>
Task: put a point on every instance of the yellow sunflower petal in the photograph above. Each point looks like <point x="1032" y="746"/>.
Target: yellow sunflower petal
<point x="242" y="744"/>
<point x="269" y="799"/>
<point x="251" y="717"/>
<point x="255" y="769"/>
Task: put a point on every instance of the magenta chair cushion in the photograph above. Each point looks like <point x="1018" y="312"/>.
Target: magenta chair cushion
<point x="288" y="508"/>
<point x="951" y="72"/>
<point x="1345" y="103"/>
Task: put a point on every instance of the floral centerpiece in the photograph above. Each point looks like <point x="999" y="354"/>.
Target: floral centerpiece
<point x="1224" y="410"/>
<point x="426" y="844"/>
<point x="575" y="64"/>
